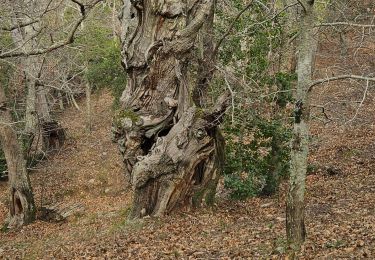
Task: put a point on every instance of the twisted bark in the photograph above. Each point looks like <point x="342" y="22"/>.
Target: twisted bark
<point x="172" y="148"/>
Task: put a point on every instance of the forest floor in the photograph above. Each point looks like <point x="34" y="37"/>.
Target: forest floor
<point x="340" y="205"/>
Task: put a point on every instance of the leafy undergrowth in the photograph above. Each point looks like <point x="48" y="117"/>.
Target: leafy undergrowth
<point x="340" y="212"/>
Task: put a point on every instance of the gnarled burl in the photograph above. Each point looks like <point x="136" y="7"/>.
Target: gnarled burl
<point x="167" y="133"/>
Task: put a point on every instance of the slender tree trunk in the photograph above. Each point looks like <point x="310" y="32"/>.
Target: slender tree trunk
<point x="31" y="120"/>
<point x="288" y="54"/>
<point x="172" y="149"/>
<point x="37" y="108"/>
<point x="21" y="200"/>
<point x="295" y="214"/>
<point x="88" y="107"/>
<point x="29" y="65"/>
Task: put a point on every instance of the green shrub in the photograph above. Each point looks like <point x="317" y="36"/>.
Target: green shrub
<point x="257" y="157"/>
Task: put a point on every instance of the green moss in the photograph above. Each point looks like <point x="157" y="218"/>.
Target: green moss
<point x="122" y="114"/>
<point x="199" y="112"/>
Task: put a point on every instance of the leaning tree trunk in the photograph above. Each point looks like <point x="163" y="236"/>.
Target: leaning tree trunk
<point x="21" y="201"/>
<point x="295" y="210"/>
<point x="171" y="147"/>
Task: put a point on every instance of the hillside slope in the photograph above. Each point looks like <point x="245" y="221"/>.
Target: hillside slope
<point x="88" y="170"/>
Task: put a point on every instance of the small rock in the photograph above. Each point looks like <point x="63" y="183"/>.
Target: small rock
<point x="280" y="219"/>
<point x="104" y="153"/>
<point x="92" y="181"/>
<point x="107" y="190"/>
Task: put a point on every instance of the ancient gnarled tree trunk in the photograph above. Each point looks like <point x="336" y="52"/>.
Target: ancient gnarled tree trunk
<point x="21" y="201"/>
<point x="171" y="146"/>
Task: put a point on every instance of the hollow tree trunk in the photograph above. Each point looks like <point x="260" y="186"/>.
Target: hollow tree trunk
<point x="295" y="210"/>
<point x="21" y="201"/>
<point x="171" y="147"/>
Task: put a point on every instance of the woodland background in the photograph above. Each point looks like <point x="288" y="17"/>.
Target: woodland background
<point x="82" y="82"/>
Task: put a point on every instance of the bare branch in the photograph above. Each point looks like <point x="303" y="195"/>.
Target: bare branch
<point x="69" y="39"/>
<point x="303" y="4"/>
<point x="81" y="6"/>
<point x="16" y="26"/>
<point x="346" y="24"/>
<point x="341" y="77"/>
<point x="360" y="104"/>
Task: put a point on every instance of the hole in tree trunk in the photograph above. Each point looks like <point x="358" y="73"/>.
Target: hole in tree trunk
<point x="147" y="144"/>
<point x="199" y="172"/>
<point x="18" y="209"/>
<point x="164" y="132"/>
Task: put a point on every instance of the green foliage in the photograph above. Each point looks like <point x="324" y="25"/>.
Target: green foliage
<point x="102" y="54"/>
<point x="257" y="157"/>
<point x="257" y="135"/>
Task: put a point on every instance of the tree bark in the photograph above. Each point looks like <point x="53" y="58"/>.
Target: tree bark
<point x="171" y="147"/>
<point x="296" y="231"/>
<point x="21" y="201"/>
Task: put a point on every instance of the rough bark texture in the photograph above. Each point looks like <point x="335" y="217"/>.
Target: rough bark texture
<point x="172" y="148"/>
<point x="21" y="200"/>
<point x="300" y="140"/>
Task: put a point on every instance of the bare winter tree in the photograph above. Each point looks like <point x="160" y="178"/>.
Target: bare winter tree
<point x="307" y="45"/>
<point x="167" y="133"/>
<point x="21" y="200"/>
<point x="300" y="140"/>
<point x="23" y="23"/>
